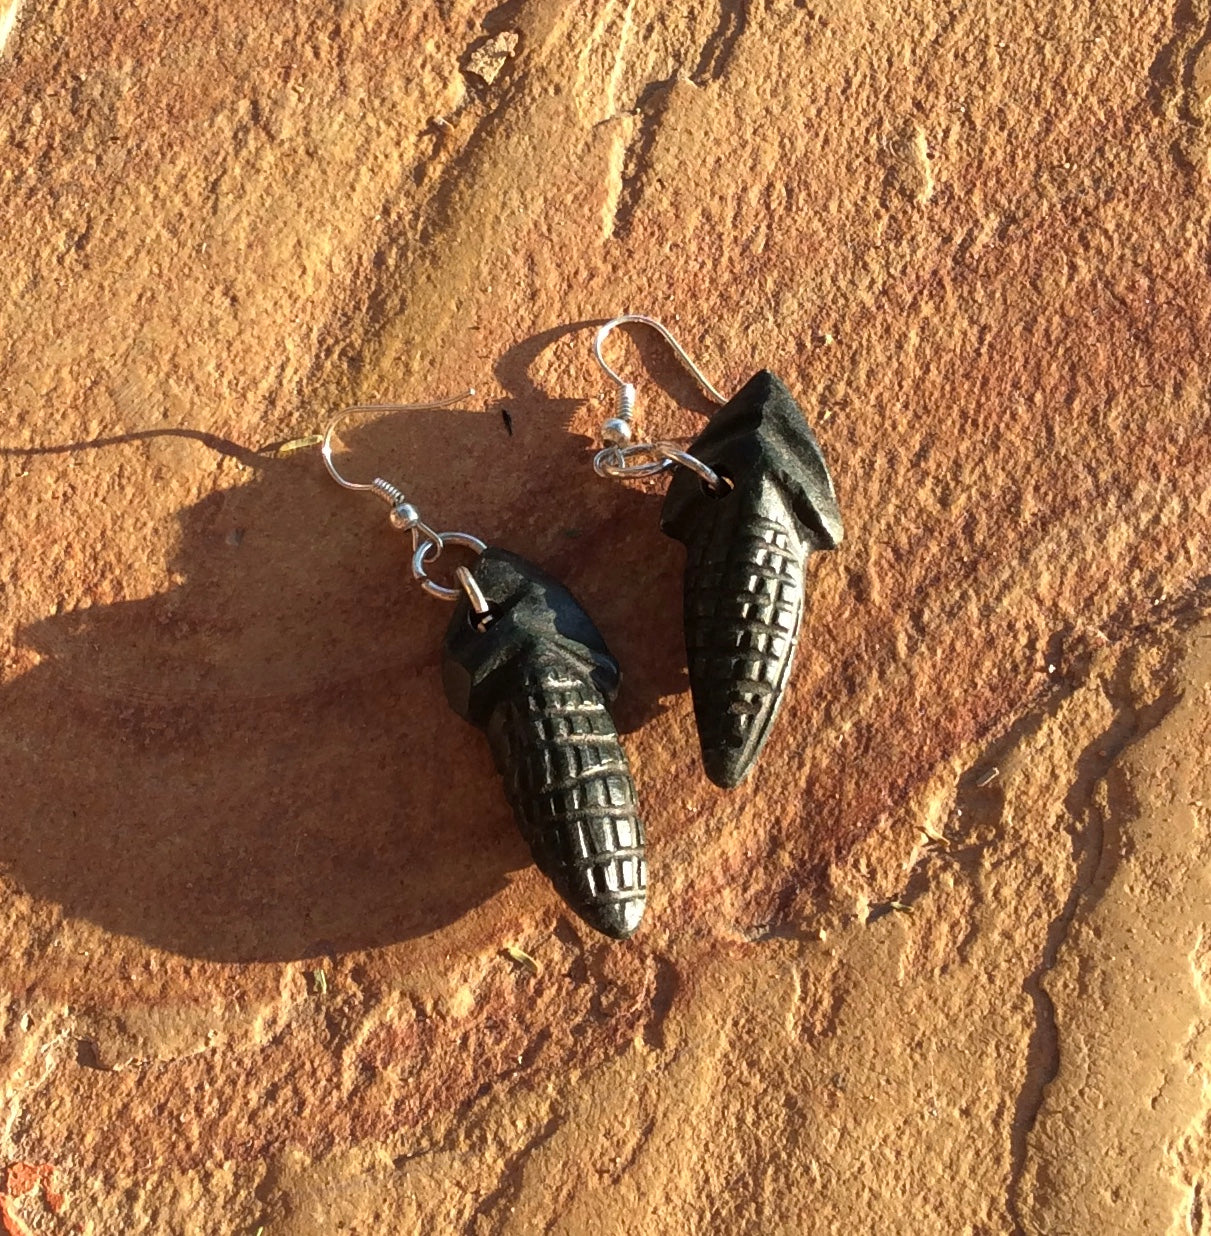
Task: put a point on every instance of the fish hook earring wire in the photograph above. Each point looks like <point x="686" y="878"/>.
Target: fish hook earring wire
<point x="426" y="541"/>
<point x="751" y="501"/>
<point x="613" y="460"/>
<point x="523" y="662"/>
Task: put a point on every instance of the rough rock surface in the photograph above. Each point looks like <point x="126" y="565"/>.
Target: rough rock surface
<point x="259" y="883"/>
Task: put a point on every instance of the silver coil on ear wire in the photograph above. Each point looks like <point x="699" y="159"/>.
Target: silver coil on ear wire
<point x="617" y="430"/>
<point x="427" y="542"/>
<point x="619" y="457"/>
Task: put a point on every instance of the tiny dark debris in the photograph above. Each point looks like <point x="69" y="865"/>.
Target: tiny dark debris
<point x="86" y="1054"/>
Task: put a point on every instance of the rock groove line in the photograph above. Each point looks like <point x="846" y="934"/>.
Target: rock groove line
<point x="1043" y="1049"/>
<point x="653" y="104"/>
<point x="508" y="1185"/>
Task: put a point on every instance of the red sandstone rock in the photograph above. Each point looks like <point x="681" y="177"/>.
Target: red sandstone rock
<point x="973" y="243"/>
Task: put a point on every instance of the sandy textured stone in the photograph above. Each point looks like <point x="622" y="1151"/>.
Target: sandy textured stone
<point x="488" y="58"/>
<point x="259" y="881"/>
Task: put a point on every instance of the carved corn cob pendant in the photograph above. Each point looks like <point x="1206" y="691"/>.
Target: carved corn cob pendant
<point x="537" y="679"/>
<point x="746" y="552"/>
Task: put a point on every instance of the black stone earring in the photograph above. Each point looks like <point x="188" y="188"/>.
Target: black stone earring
<point x="751" y="499"/>
<point x="524" y="662"/>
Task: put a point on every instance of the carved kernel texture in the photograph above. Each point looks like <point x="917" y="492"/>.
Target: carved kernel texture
<point x="538" y="678"/>
<point x="744" y="595"/>
<point x="747" y="545"/>
<point x="569" y="784"/>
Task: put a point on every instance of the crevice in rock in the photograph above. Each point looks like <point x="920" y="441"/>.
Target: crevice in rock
<point x="979" y="809"/>
<point x="524" y="1064"/>
<point x="1096" y="843"/>
<point x="627" y="1160"/>
<point x="1174" y="90"/>
<point x="377" y="291"/>
<point x="275" y="1202"/>
<point x="720" y="47"/>
<point x="401" y="1161"/>
<point x="652" y="106"/>
<point x="665" y="985"/>
<point x="508" y="1186"/>
<point x="1171" y="73"/>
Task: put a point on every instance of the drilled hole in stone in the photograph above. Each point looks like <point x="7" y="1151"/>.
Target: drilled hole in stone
<point x="726" y="485"/>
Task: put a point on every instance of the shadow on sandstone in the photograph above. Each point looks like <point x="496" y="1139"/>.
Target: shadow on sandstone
<point x="259" y="763"/>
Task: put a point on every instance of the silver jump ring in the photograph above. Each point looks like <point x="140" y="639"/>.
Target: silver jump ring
<point x="615" y="461"/>
<point x="475" y="594"/>
<point x="695" y="465"/>
<point x="428" y="547"/>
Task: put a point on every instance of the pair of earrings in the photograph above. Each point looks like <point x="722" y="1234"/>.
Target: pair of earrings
<point x="751" y="499"/>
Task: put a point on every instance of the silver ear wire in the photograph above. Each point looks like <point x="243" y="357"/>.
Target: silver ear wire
<point x="383" y="488"/>
<point x="427" y="542"/>
<point x="614" y="459"/>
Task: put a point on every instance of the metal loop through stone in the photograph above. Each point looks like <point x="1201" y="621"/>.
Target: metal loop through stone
<point x="431" y="548"/>
<point x="616" y="461"/>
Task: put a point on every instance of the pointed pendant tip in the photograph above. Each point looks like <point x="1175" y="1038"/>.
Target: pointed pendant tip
<point x="726" y="767"/>
<point x="617" y="919"/>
